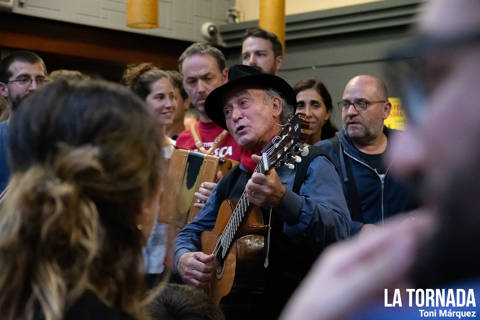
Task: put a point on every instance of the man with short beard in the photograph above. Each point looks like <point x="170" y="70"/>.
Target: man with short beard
<point x="358" y="153"/>
<point x="261" y="48"/>
<point x="203" y="68"/>
<point x="20" y="73"/>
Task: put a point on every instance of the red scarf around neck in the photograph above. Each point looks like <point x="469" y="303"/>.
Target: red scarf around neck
<point x="247" y="161"/>
<point x="246" y="157"/>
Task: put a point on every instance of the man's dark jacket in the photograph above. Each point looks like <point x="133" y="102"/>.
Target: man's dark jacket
<point x="372" y="195"/>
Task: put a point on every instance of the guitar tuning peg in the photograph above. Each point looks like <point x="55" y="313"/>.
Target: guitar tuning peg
<point x="290" y="166"/>
<point x="297" y="159"/>
<point x="304" y="150"/>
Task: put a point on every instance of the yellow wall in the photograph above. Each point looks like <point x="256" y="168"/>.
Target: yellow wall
<point x="249" y="8"/>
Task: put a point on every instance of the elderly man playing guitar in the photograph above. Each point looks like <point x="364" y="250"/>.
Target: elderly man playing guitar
<point x="293" y="213"/>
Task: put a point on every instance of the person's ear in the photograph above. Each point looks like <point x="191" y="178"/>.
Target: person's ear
<point x="387" y="107"/>
<point x="3" y="89"/>
<point x="277" y="105"/>
<point x="278" y="62"/>
<point x="225" y="75"/>
<point x="329" y="114"/>
<point x="186" y="103"/>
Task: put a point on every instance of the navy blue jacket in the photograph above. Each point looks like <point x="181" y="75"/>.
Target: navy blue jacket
<point x="379" y="194"/>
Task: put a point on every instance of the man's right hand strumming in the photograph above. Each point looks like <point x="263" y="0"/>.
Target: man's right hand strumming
<point x="196" y="268"/>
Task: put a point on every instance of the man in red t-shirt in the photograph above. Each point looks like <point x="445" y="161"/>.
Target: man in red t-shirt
<point x="203" y="69"/>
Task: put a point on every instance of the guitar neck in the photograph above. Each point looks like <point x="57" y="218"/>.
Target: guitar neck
<point x="237" y="217"/>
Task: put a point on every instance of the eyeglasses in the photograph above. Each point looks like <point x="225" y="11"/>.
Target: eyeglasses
<point x="26" y="81"/>
<point x="359" y="105"/>
<point x="417" y="70"/>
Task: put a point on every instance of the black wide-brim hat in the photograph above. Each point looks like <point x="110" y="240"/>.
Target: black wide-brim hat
<point x="247" y="77"/>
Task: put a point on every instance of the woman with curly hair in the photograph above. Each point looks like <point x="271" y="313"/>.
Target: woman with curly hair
<point x="86" y="172"/>
<point x="155" y="87"/>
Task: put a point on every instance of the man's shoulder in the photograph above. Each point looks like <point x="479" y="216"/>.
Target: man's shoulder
<point x="185" y="140"/>
<point x="325" y="145"/>
<point x="389" y="132"/>
<point x="329" y="147"/>
<point x="185" y="134"/>
<point x="320" y="159"/>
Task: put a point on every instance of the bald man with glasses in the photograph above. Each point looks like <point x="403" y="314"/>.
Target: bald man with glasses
<point x="358" y="154"/>
<point x="21" y="73"/>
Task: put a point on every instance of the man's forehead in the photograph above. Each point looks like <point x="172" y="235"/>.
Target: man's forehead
<point x="241" y="91"/>
<point x="258" y="43"/>
<point x="21" y="67"/>
<point x="199" y="64"/>
<point x="366" y="91"/>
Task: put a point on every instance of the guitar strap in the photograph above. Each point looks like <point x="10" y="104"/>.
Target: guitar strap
<point x="352" y="197"/>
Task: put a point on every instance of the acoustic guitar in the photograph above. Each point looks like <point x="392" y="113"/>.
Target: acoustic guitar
<point x="240" y="218"/>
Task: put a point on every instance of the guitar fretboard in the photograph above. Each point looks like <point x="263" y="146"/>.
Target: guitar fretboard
<point x="237" y="217"/>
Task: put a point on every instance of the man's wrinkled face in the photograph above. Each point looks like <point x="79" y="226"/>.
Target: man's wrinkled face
<point x="364" y="125"/>
<point x="251" y="117"/>
<point x="201" y="76"/>
<point x="26" y="77"/>
<point x="259" y="52"/>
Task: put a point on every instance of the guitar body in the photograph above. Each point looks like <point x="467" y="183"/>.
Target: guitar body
<point x="245" y="253"/>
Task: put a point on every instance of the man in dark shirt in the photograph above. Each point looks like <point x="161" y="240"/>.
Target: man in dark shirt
<point x="358" y="153"/>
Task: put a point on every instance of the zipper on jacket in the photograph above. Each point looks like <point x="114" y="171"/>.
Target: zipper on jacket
<point x="381" y="177"/>
<point x="382" y="183"/>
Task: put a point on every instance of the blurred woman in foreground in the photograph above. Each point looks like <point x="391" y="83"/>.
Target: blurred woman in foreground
<point x="86" y="166"/>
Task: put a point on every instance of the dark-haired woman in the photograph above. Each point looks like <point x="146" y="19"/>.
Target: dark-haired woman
<point x="315" y="103"/>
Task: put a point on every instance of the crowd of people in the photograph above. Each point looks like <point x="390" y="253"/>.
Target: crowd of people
<point x="324" y="222"/>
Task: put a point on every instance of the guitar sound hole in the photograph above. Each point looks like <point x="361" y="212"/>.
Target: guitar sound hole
<point x="219" y="265"/>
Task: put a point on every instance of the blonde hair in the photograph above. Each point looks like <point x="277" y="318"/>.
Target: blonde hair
<point x="86" y="156"/>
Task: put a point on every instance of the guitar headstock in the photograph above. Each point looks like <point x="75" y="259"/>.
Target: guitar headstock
<point x="284" y="147"/>
<point x="304" y="124"/>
